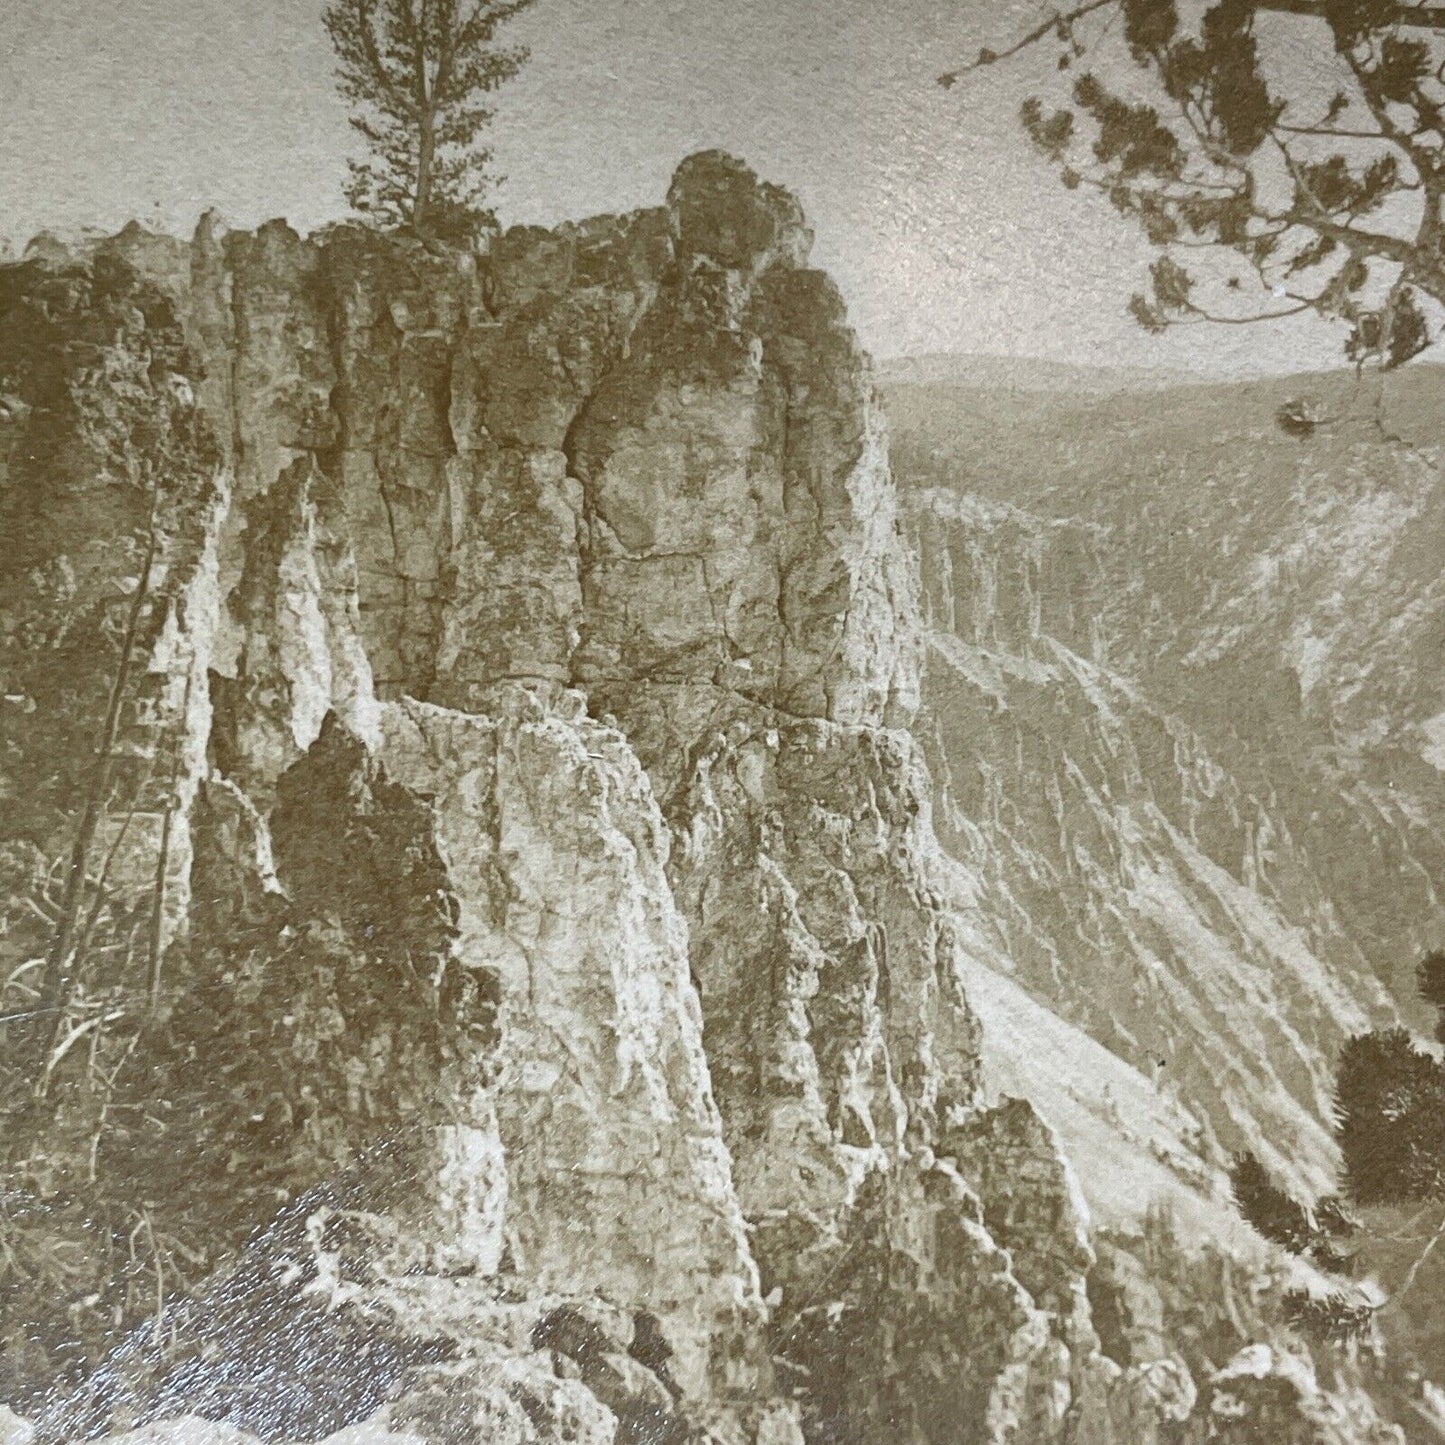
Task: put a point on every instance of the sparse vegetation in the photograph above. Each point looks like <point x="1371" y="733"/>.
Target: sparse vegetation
<point x="1390" y="1123"/>
<point x="1431" y="979"/>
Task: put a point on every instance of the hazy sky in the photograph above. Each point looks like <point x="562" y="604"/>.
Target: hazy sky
<point x="944" y="229"/>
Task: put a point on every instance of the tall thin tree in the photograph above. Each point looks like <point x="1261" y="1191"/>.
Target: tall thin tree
<point x="416" y="73"/>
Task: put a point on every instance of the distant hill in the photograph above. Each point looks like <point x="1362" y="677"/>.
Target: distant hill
<point x="1036" y="375"/>
<point x="1023" y="373"/>
<point x="1015" y="443"/>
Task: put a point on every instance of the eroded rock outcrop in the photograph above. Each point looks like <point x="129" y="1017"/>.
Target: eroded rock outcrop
<point x="618" y="1178"/>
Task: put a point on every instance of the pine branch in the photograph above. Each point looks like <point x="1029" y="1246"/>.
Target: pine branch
<point x="1420" y="158"/>
<point x="1424" y="17"/>
<point x="1059" y="20"/>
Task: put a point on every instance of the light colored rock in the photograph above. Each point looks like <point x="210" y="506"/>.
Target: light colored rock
<point x="376" y="1431"/>
<point x="190" y="1430"/>
<point x="618" y="1176"/>
<point x="300" y="654"/>
<point x="517" y="1401"/>
<point x="14" y="1430"/>
<point x="1269" y="1393"/>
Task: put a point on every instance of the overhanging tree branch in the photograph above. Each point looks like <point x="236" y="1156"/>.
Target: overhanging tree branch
<point x="1059" y="21"/>
<point x="1201" y="166"/>
<point x="1425" y="17"/>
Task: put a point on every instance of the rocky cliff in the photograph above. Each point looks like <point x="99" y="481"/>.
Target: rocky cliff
<point x="478" y="956"/>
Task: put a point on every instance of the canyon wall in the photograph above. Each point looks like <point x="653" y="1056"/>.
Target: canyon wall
<point x="1122" y="872"/>
<point x="1278" y="593"/>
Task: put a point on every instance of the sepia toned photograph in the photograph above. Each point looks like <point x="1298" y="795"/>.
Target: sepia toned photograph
<point x="722" y="723"/>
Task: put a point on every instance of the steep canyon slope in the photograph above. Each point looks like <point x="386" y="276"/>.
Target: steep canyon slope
<point x="479" y="958"/>
<point x="1278" y="593"/>
<point x="1210" y="634"/>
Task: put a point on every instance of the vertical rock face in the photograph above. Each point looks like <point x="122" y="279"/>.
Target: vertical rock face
<point x="839" y="1039"/>
<point x="297" y="651"/>
<point x="636" y="451"/>
<point x="521" y="869"/>
<point x="618" y="1177"/>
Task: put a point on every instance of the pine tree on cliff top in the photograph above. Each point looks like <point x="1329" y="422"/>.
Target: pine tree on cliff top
<point x="1266" y="195"/>
<point x="416" y="73"/>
